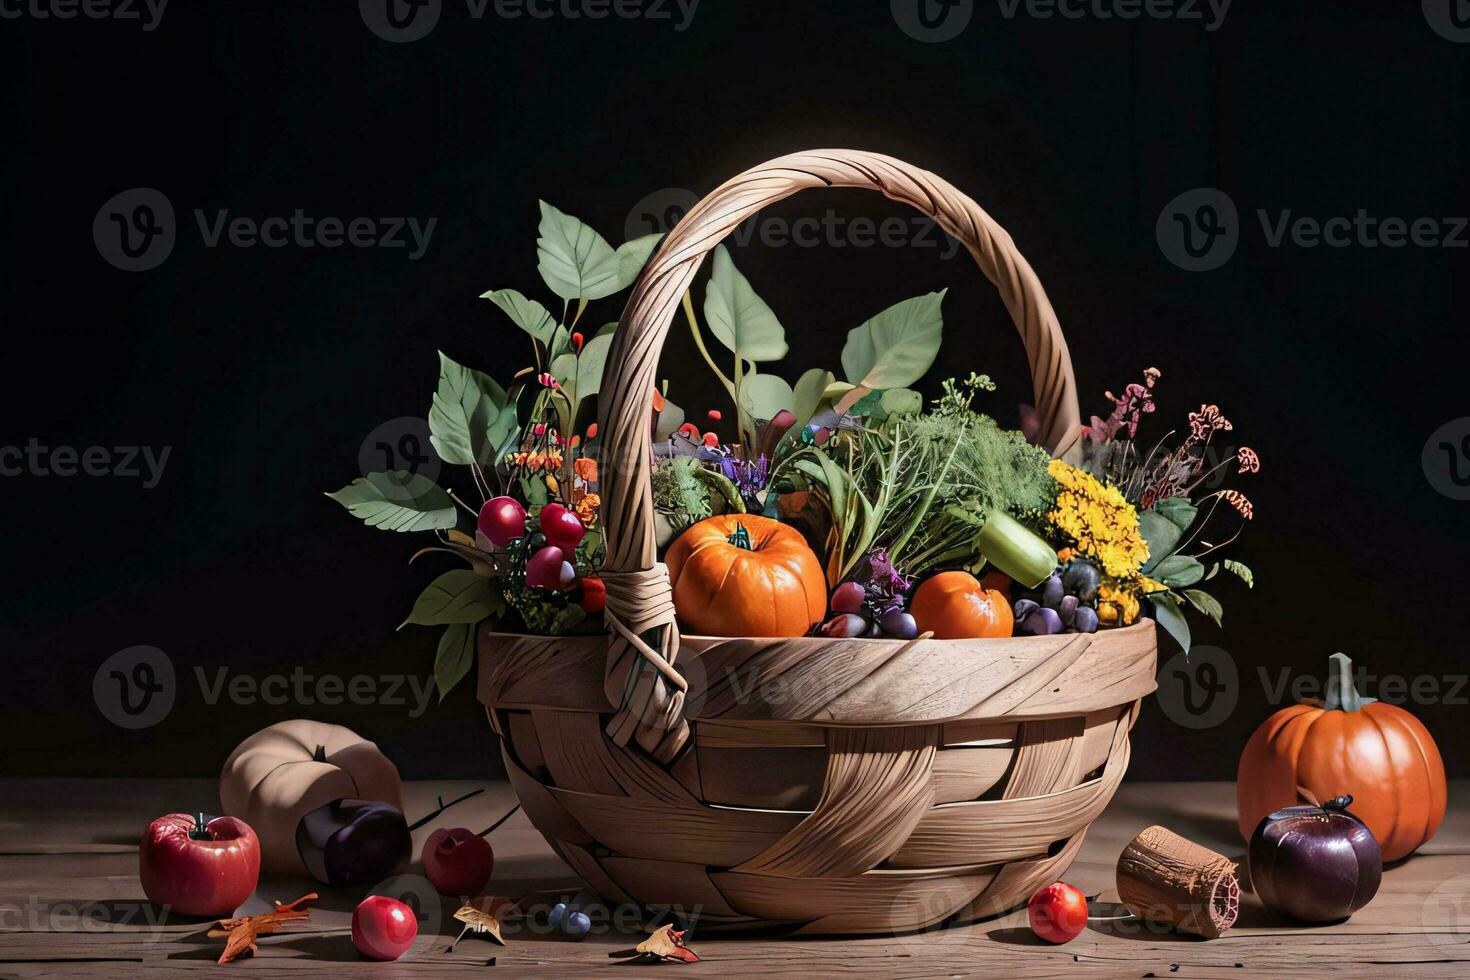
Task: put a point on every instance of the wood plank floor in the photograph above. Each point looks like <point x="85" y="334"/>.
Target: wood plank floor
<point x="71" y="905"/>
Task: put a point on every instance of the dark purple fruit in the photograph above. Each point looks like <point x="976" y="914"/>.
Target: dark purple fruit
<point x="844" y="626"/>
<point x="1052" y="592"/>
<point x="899" y="625"/>
<point x="1081" y="579"/>
<point x="848" y="598"/>
<point x="1086" y="620"/>
<point x="1068" y="610"/>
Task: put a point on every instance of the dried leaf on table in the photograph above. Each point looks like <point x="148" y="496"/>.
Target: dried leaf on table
<point x="665" y="945"/>
<point x="479" y="917"/>
<point x="244" y="930"/>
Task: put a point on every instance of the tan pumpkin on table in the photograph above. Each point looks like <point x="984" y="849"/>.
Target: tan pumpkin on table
<point x="1379" y="754"/>
<point x="281" y="773"/>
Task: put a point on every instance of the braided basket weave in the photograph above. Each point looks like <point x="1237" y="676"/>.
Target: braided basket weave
<point x="835" y="785"/>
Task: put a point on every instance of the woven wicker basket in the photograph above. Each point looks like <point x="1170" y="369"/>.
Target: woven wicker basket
<point x="838" y="786"/>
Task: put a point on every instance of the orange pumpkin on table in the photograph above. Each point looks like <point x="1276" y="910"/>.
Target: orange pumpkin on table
<point x="1347" y="744"/>
<point x="745" y="575"/>
<point x="955" y="606"/>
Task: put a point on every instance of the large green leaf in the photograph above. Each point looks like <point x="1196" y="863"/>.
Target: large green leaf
<point x="633" y="256"/>
<point x="575" y="261"/>
<point x="397" y="501"/>
<point x="739" y="318"/>
<point x="458" y="596"/>
<point x="1177" y="571"/>
<point x="527" y="314"/>
<point x="765" y="395"/>
<point x="1168" y="615"/>
<point x="1178" y="510"/>
<point x="1162" y="536"/>
<point x="469" y="417"/>
<point x="455" y="657"/>
<point x="581" y="374"/>
<point x="807" y="394"/>
<point x="896" y="347"/>
<point x="668" y="421"/>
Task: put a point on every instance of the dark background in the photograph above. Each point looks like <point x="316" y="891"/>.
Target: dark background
<point x="265" y="369"/>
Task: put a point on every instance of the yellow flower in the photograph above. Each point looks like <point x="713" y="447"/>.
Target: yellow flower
<point x="1096" y="517"/>
<point x="1116" y="606"/>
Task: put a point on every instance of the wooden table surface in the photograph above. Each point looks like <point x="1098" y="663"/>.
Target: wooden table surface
<point x="71" y="905"/>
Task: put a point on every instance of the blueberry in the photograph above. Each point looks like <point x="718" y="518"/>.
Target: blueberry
<point x="577" y="925"/>
<point x="1081" y="579"/>
<point x="558" y="913"/>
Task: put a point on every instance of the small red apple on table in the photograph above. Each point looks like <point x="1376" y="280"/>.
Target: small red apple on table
<point x="458" y="861"/>
<point x="1058" y="913"/>
<point x="199" y="867"/>
<point x="383" y="928"/>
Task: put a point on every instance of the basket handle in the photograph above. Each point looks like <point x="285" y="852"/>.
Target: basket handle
<point x="639" y="676"/>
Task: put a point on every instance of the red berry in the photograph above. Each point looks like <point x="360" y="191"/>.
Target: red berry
<point x="458" y="861"/>
<point x="383" y="928"/>
<point x="714" y="414"/>
<point x="544" y="570"/>
<point x="502" y="520"/>
<point x="562" y="527"/>
<point x="710" y="439"/>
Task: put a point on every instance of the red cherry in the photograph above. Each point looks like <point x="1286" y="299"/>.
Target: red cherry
<point x="562" y="527"/>
<point x="502" y="520"/>
<point x="458" y="861"/>
<point x="715" y="414"/>
<point x="594" y="595"/>
<point x="383" y="928"/>
<point x="710" y="439"/>
<point x="1058" y="913"/>
<point x="544" y="570"/>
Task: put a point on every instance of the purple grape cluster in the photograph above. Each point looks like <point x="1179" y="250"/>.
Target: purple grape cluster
<point x="1064" y="603"/>
<point x="855" y="615"/>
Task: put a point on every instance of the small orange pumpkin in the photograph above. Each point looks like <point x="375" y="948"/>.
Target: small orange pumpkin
<point x="955" y="605"/>
<point x="745" y="575"/>
<point x="1377" y="753"/>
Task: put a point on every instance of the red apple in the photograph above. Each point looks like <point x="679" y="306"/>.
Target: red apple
<point x="458" y="861"/>
<point x="502" y="520"/>
<point x="562" y="527"/>
<point x="198" y="868"/>
<point x="383" y="928"/>
<point x="546" y="569"/>
<point x="1058" y="913"/>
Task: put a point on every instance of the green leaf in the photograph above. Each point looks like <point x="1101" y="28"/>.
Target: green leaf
<point x="529" y="315"/>
<point x="668" y="421"/>
<point x="807" y="396"/>
<point x="633" y="256"/>
<point x="582" y="374"/>
<point x="397" y="501"/>
<point x="1205" y="603"/>
<point x="1242" y="571"/>
<point x="765" y="395"/>
<point x="896" y="347"/>
<point x="1168" y="615"/>
<point x="1162" y="536"/>
<point x="575" y="261"/>
<point x="455" y="657"/>
<point x="820" y="467"/>
<point x="468" y="419"/>
<point x="739" y="318"/>
<point x="1177" y="571"/>
<point x="901" y="401"/>
<point x="1178" y="510"/>
<point x="458" y="596"/>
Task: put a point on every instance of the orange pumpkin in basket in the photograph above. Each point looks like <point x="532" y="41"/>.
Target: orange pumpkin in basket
<point x="1377" y="753"/>
<point x="744" y="575"/>
<point x="954" y="605"/>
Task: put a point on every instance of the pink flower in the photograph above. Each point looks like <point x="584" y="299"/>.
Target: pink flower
<point x="1206" y="422"/>
<point x="1249" y="461"/>
<point x="549" y="381"/>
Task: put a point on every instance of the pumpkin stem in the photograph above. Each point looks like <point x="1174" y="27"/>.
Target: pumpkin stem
<point x="320" y="755"/>
<point x="741" y="538"/>
<point x="1342" y="695"/>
